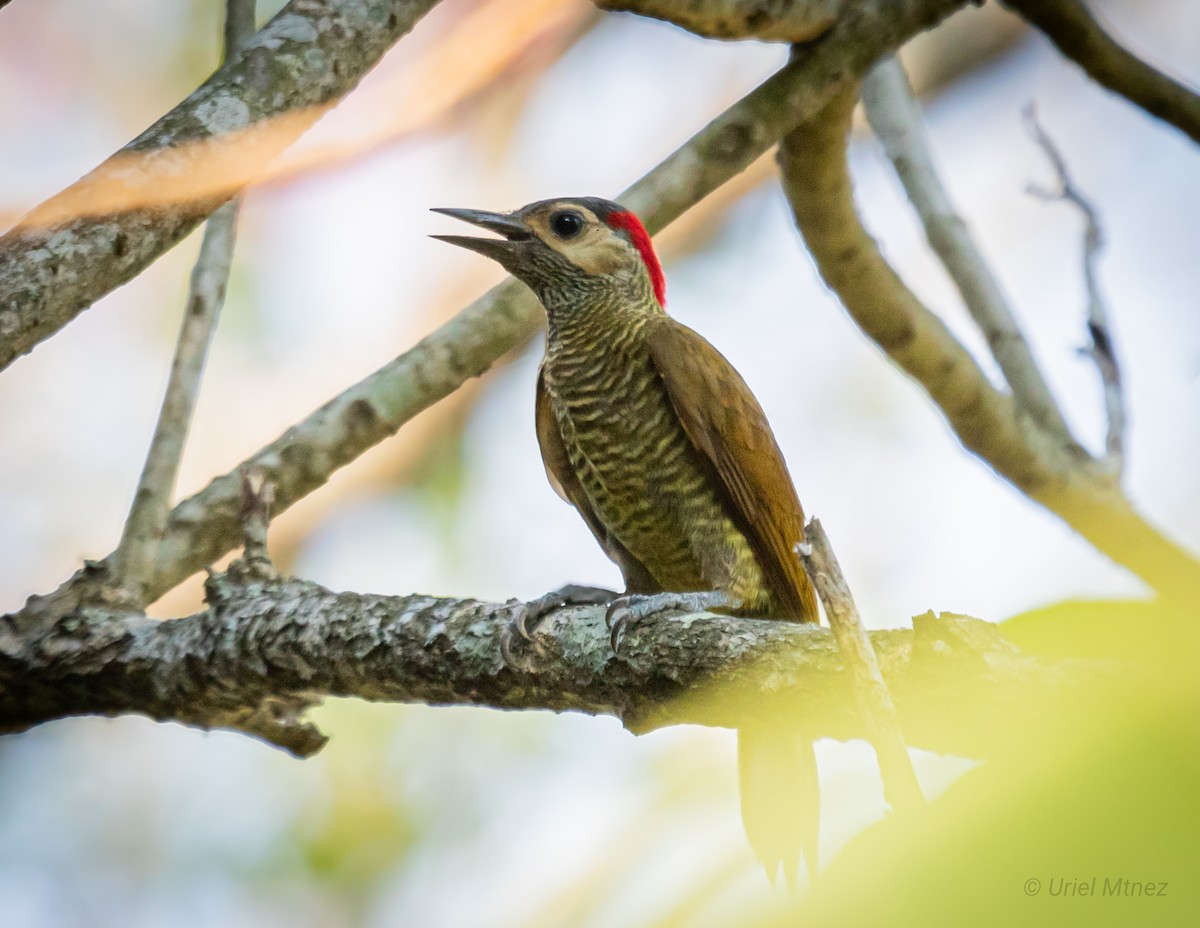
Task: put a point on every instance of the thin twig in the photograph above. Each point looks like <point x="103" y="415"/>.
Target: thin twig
<point x="258" y="494"/>
<point x="239" y="26"/>
<point x="1101" y="350"/>
<point x="152" y="502"/>
<point x="1077" y="34"/>
<point x="895" y="117"/>
<point x="206" y="294"/>
<point x="900" y="786"/>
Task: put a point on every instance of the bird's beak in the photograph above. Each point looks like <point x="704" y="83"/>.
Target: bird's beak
<point x="503" y="249"/>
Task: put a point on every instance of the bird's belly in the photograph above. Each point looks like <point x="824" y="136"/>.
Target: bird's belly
<point x="648" y="487"/>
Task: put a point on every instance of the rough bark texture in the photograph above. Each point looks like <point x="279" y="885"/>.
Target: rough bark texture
<point x="267" y="647"/>
<point x="770" y="20"/>
<point x="107" y="227"/>
<point x="206" y="526"/>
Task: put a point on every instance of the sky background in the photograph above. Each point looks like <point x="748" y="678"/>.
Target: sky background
<point x="547" y="819"/>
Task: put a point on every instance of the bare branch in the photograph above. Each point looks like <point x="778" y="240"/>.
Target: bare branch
<point x="900" y="785"/>
<point x="258" y="495"/>
<point x="895" y="117"/>
<point x="1101" y="350"/>
<point x="792" y="21"/>
<point x="65" y="255"/>
<point x="266" y="648"/>
<point x="135" y="556"/>
<point x="203" y="528"/>
<point x="239" y="27"/>
<point x="1077" y="34"/>
<point x="1058" y="476"/>
<point x="147" y="519"/>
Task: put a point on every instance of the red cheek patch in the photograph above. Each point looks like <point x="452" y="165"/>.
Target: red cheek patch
<point x="630" y="223"/>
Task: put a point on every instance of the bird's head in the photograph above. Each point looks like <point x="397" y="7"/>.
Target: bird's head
<point x="569" y="250"/>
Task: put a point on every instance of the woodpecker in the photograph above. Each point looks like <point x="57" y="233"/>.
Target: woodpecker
<point x="650" y="433"/>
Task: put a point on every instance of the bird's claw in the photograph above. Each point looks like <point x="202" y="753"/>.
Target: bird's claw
<point x="515" y="625"/>
<point x="616" y="617"/>
<point x="520" y="622"/>
<point x="633" y="607"/>
<point x="527" y="615"/>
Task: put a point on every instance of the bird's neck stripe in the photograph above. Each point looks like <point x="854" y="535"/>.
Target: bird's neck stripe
<point x="641" y="241"/>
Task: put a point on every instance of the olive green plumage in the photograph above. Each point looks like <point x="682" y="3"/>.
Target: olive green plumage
<point x="616" y="446"/>
<point x="649" y="432"/>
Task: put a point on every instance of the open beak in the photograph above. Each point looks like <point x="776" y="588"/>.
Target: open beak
<point x="514" y="231"/>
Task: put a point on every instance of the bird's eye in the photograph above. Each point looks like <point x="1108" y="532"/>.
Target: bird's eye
<point x="566" y="223"/>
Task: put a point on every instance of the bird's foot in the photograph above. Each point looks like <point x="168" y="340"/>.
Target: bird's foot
<point x="527" y="615"/>
<point x="633" y="607"/>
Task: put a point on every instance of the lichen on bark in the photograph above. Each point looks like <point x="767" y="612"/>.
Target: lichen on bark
<point x="103" y="230"/>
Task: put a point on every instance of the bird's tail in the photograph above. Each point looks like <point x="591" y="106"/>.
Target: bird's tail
<point x="781" y="799"/>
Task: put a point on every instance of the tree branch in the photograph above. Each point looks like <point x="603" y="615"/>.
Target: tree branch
<point x="1077" y="34"/>
<point x="790" y="21"/>
<point x="258" y="495"/>
<point x="268" y="647"/>
<point x="147" y="519"/>
<point x="895" y="117"/>
<point x="107" y="227"/>
<point x="239" y="26"/>
<point x="203" y="528"/>
<point x="1059" y="476"/>
<point x="900" y="786"/>
<point x="1101" y="350"/>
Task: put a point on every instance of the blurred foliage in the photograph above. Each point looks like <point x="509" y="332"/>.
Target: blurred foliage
<point x="439" y="473"/>
<point x="1092" y="820"/>
<point x="357" y="827"/>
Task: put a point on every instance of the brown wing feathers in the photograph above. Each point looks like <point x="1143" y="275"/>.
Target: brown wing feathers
<point x="725" y="423"/>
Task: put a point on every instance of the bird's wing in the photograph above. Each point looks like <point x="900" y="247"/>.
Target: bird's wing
<point x="566" y="484"/>
<point x="727" y="426"/>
